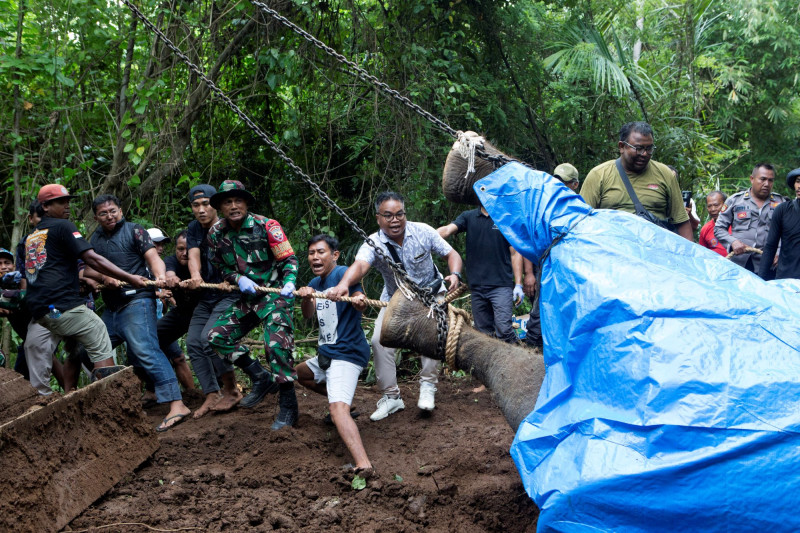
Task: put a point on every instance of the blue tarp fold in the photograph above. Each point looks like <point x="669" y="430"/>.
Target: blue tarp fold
<point x="672" y="394"/>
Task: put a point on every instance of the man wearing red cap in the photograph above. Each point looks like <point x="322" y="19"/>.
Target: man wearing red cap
<point x="252" y="251"/>
<point x="51" y="267"/>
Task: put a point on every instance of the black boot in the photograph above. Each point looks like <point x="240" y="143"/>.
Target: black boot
<point x="288" y="402"/>
<point x="262" y="383"/>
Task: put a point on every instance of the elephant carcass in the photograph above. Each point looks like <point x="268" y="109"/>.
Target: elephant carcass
<point x="672" y="392"/>
<point x="512" y="373"/>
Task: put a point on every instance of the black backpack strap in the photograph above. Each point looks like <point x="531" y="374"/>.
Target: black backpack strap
<point x="637" y="205"/>
<point x="395" y="257"/>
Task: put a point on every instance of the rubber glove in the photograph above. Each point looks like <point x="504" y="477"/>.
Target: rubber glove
<point x="288" y="290"/>
<point x="519" y="294"/>
<point x="247" y="285"/>
<point x="12" y="278"/>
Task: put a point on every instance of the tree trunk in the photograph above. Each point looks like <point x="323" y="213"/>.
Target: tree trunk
<point x="512" y="373"/>
<point x="16" y="233"/>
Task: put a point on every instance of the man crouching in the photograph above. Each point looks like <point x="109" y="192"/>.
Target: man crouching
<point x="343" y="349"/>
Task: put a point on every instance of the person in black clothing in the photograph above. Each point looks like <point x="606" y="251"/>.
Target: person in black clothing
<point x="130" y="314"/>
<point x="208" y="367"/>
<point x="494" y="270"/>
<point x="53" y="294"/>
<point x="784" y="229"/>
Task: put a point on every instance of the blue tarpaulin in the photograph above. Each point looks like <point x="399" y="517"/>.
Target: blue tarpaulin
<point x="672" y="394"/>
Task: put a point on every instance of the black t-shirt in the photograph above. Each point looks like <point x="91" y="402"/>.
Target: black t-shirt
<point x="488" y="258"/>
<point x="196" y="238"/>
<point x="51" y="266"/>
<point x="182" y="297"/>
<point x="173" y="265"/>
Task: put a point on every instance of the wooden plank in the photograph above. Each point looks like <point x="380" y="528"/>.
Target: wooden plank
<point x="57" y="459"/>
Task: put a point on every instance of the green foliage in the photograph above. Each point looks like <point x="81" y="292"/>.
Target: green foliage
<point x="105" y="107"/>
<point x="358" y="483"/>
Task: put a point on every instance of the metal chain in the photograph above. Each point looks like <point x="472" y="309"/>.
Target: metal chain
<point x="362" y="74"/>
<point x="427" y="297"/>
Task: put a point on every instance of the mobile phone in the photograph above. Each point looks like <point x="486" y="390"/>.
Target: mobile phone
<point x="687" y="198"/>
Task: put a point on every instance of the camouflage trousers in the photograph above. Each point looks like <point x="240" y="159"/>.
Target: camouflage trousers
<point x="275" y="313"/>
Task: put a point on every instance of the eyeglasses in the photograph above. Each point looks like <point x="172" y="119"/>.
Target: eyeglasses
<point x="388" y="217"/>
<point x="641" y="150"/>
<point x="111" y="212"/>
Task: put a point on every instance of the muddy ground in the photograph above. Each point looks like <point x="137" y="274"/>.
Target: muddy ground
<point x="450" y="471"/>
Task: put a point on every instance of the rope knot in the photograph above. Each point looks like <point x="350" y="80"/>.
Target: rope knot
<point x="466" y="144"/>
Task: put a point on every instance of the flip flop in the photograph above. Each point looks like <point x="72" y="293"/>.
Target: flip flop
<point x="178" y="419"/>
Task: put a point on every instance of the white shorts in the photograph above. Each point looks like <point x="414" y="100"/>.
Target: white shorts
<point x="341" y="379"/>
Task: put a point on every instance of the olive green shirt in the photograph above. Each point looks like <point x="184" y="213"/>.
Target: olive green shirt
<point x="656" y="187"/>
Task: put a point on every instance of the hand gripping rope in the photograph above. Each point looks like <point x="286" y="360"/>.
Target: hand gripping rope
<point x="427" y="297"/>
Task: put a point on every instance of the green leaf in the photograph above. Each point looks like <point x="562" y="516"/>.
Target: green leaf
<point x="135" y="181"/>
<point x="398" y="478"/>
<point x="128" y="148"/>
<point x="359" y="483"/>
<point x="140" y="150"/>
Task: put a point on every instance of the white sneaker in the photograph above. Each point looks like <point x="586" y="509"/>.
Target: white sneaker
<point x="386" y="407"/>
<point x="427" y="394"/>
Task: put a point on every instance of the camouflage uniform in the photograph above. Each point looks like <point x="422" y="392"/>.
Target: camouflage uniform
<point x="260" y="251"/>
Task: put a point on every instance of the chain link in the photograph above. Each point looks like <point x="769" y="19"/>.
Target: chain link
<point x="424" y="294"/>
<point x="362" y="74"/>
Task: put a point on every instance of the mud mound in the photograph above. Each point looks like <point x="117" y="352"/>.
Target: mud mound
<point x="450" y="471"/>
<point x="17" y="396"/>
<point x="57" y="459"/>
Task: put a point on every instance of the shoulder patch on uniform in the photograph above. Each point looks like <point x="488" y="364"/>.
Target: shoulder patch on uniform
<point x="77" y="234"/>
<point x="278" y="242"/>
<point x="653" y="186"/>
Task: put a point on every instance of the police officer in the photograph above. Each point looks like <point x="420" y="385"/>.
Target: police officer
<point x="253" y="251"/>
<point x="749" y="213"/>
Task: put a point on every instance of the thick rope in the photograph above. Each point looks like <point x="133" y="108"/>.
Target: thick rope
<point x="466" y="148"/>
<point x="746" y="249"/>
<point x="227" y="287"/>
<point x="455" y="320"/>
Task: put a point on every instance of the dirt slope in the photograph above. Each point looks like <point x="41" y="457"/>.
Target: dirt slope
<point x="447" y="472"/>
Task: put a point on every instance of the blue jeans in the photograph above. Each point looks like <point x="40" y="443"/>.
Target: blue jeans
<point x="135" y="325"/>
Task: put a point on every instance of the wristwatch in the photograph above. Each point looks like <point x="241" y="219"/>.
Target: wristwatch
<point x="458" y="275"/>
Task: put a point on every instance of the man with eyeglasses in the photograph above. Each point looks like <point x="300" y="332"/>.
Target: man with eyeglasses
<point x="749" y="215"/>
<point x="653" y="182"/>
<point x="130" y="314"/>
<point x="411" y="245"/>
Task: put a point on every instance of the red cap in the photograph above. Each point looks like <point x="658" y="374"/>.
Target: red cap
<point x="53" y="191"/>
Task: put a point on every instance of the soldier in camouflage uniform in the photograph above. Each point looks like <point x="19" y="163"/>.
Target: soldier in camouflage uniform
<point x="251" y="251"/>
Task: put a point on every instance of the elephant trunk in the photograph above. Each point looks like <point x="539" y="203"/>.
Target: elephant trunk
<point x="512" y="373"/>
<point x="456" y="183"/>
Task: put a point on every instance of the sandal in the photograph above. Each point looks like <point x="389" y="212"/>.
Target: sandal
<point x="162" y="427"/>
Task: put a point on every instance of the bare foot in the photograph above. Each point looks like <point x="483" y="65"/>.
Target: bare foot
<point x="211" y="400"/>
<point x="228" y="401"/>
